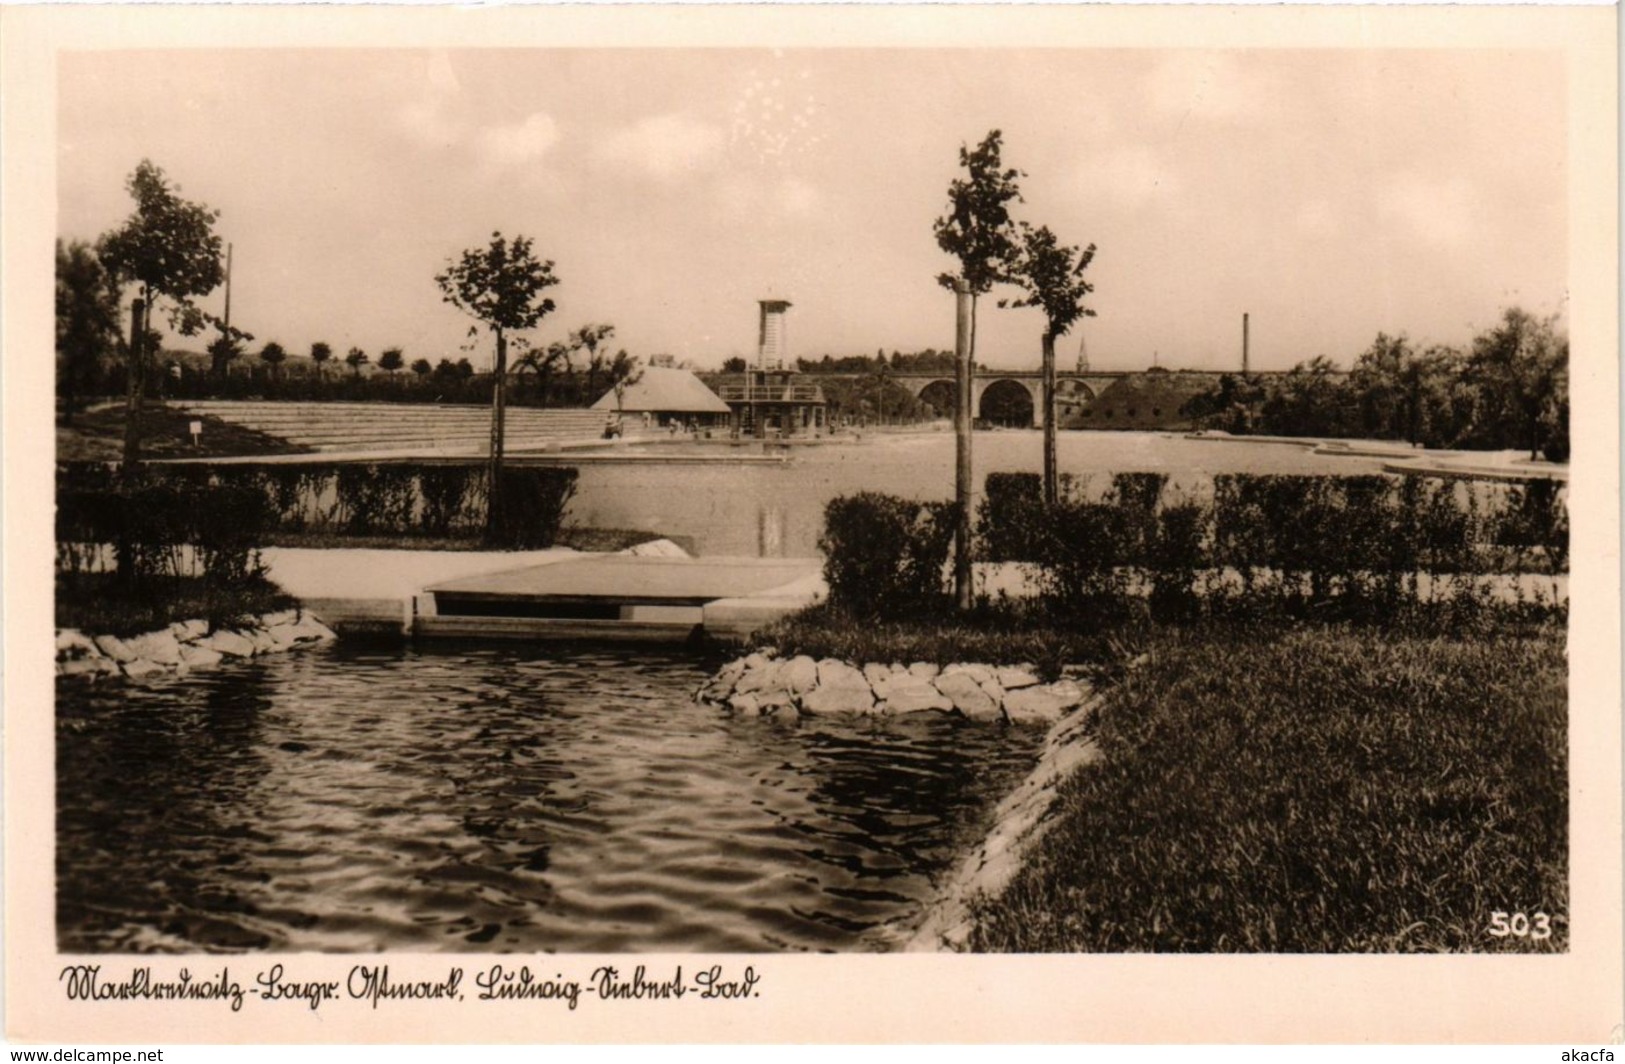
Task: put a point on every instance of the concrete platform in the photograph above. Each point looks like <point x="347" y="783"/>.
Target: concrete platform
<point x="621" y="597"/>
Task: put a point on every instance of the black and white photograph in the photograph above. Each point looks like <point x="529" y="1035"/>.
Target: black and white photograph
<point x="705" y="503"/>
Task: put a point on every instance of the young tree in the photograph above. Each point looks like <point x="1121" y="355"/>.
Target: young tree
<point x="978" y="229"/>
<point x="1052" y="274"/>
<point x="223" y="351"/>
<point x="273" y="355"/>
<point x="320" y="352"/>
<point x="356" y="359"/>
<point x="87" y="319"/>
<point x="500" y="286"/>
<point x="588" y="338"/>
<point x="391" y="360"/>
<point x="169" y="248"/>
<point x="543" y="363"/>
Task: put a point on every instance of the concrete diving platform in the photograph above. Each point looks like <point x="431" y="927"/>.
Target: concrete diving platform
<point x="619" y="597"/>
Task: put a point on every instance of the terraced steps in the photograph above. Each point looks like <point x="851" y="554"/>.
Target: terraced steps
<point x="400" y="426"/>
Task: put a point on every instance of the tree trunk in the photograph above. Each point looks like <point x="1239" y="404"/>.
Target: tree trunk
<point x="494" y="525"/>
<point x="133" y="386"/>
<point x="964" y="331"/>
<point x="1051" y="490"/>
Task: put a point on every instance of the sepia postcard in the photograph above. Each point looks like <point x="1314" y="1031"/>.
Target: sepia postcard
<point x="804" y="524"/>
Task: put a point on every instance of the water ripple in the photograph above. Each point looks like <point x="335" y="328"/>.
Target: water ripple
<point x="497" y="799"/>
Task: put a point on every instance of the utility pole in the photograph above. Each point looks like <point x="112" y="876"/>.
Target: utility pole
<point x="228" y="290"/>
<point x="962" y="450"/>
<point x="1245" y="367"/>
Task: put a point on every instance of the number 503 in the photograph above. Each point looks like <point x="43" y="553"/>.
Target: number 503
<point x="1520" y="925"/>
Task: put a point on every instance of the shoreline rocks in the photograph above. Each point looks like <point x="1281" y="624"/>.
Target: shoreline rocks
<point x="762" y="684"/>
<point x="1019" y="822"/>
<point x="184" y="646"/>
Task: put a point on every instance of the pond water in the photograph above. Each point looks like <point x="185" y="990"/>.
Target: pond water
<point x="483" y="799"/>
<point x="771" y="510"/>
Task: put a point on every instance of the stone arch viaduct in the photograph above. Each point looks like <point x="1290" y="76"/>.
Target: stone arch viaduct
<point x="1070" y="386"/>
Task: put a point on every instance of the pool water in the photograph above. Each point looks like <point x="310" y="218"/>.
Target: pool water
<point x="507" y="798"/>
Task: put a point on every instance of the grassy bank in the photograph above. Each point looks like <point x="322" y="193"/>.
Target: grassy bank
<point x="98" y="603"/>
<point x="1310" y="789"/>
<point x="1004" y="633"/>
<point x="98" y="436"/>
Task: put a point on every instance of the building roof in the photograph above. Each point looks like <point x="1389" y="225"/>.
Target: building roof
<point x="664" y="390"/>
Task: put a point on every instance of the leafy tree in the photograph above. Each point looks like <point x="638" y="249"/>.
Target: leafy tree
<point x="355" y="359"/>
<point x="87" y="319"/>
<point x="421" y="367"/>
<point x="1052" y="274"/>
<point x="169" y="248"/>
<point x="978" y="229"/>
<point x="391" y="361"/>
<point x="500" y="286"/>
<point x="465" y="369"/>
<point x="1311" y="400"/>
<point x="589" y="338"/>
<point x="623" y="373"/>
<point x="736" y="364"/>
<point x="273" y="355"/>
<point x="1520" y="365"/>
<point x="1385" y="382"/>
<point x="320" y="353"/>
<point x="223" y="351"/>
<point x="543" y="364"/>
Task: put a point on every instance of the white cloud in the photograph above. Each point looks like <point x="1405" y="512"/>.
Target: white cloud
<point x="1130" y="177"/>
<point x="1439" y="212"/>
<point x="425" y="120"/>
<point x="520" y="142"/>
<point x="663" y="146"/>
<point x="1208" y="85"/>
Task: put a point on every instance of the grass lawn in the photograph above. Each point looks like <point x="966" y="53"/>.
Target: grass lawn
<point x="1310" y="789"/>
<point x="1004" y="633"/>
<point x="98" y="436"/>
<point x="98" y="604"/>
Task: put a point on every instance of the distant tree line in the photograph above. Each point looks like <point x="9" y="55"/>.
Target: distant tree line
<point x="1509" y="391"/>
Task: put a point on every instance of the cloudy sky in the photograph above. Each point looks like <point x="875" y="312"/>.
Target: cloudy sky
<point x="1331" y="194"/>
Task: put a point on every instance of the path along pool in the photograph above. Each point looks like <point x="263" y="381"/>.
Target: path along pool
<point x="499" y="799"/>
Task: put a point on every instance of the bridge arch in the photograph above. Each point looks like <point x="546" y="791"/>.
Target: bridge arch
<point x="1006" y="401"/>
<point x="939" y="395"/>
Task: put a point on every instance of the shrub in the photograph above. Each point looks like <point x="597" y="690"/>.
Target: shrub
<point x="884" y="556"/>
<point x="229" y="523"/>
<point x="375" y="498"/>
<point x="1013" y="521"/>
<point x="448" y="495"/>
<point x="534" y="502"/>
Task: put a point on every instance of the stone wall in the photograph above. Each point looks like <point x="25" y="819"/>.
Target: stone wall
<point x="183" y="646"/>
<point x="764" y="684"/>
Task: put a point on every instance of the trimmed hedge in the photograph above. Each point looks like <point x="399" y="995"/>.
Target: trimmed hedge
<point x="160" y="529"/>
<point x="885" y="556"/>
<point x="344" y="499"/>
<point x="1308" y="545"/>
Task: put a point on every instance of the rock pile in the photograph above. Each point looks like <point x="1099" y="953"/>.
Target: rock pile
<point x="764" y="684"/>
<point x="183" y="646"/>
